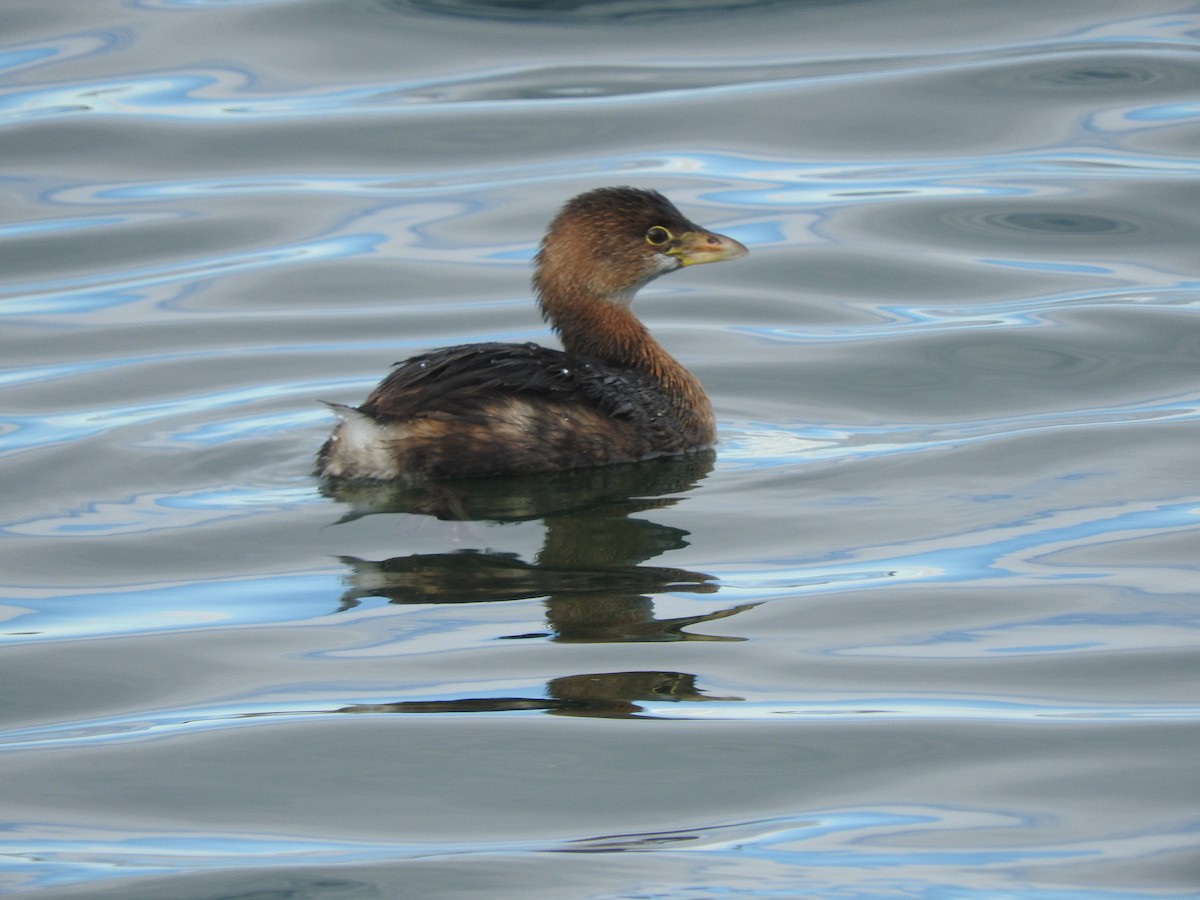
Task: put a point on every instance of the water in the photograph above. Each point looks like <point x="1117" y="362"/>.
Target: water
<point x="927" y="625"/>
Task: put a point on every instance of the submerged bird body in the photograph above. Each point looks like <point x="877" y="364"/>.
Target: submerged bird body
<point x="611" y="395"/>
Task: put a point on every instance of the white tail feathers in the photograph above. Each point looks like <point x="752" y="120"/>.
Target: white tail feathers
<point x="359" y="446"/>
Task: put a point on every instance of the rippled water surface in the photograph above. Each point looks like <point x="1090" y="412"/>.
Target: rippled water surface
<point x="925" y="626"/>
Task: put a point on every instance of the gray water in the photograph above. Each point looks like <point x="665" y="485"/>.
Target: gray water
<point x="926" y="626"/>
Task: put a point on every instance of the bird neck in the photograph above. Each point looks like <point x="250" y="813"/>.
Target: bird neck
<point x="606" y="329"/>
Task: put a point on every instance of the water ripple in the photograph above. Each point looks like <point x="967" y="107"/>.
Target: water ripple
<point x="766" y="445"/>
<point x="84" y="294"/>
<point x="211" y="93"/>
<point x="950" y="522"/>
<point x="867" y="709"/>
<point x="67" y="48"/>
<point x="34" y="614"/>
<point x="38" y="431"/>
<point x="1021" y="551"/>
<point x="852" y="851"/>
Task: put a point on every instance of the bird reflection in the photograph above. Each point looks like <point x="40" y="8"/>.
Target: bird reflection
<point x="590" y="572"/>
<point x="590" y="568"/>
<point x="601" y="695"/>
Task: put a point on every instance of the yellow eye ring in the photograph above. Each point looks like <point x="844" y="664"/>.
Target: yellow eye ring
<point x="657" y="236"/>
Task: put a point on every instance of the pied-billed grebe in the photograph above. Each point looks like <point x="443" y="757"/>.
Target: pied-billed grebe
<point x="613" y="394"/>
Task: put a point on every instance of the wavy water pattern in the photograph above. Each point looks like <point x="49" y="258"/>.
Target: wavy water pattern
<point x="926" y="625"/>
<point x="795" y="851"/>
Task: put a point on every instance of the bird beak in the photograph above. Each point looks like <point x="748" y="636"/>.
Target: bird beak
<point x="695" y="247"/>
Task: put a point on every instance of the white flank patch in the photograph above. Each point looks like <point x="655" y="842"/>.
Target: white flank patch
<point x="360" y="447"/>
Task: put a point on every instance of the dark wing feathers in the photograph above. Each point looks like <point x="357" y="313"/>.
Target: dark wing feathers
<point x="465" y="380"/>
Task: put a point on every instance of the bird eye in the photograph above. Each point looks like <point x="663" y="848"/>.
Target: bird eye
<point x="658" y="236"/>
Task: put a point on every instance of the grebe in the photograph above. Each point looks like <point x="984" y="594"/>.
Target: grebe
<point x="611" y="395"/>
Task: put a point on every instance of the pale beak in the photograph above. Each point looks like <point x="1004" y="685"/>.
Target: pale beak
<point x="694" y="247"/>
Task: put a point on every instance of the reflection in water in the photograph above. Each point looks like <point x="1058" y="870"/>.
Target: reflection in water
<point x="605" y="603"/>
<point x="589" y="568"/>
<point x="590" y="572"/>
<point x="521" y="498"/>
<point x="602" y="695"/>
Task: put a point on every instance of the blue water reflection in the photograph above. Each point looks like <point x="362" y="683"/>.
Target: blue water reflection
<point x="787" y="854"/>
<point x="928" y="625"/>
